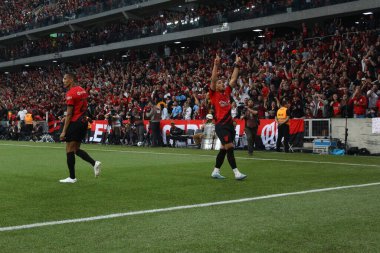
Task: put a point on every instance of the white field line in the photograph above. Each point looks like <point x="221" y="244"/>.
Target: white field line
<point x="116" y="215"/>
<point x="213" y="156"/>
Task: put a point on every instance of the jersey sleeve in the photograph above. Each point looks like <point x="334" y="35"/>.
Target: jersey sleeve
<point x="69" y="99"/>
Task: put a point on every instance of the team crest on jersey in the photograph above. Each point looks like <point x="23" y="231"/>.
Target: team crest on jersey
<point x="223" y="103"/>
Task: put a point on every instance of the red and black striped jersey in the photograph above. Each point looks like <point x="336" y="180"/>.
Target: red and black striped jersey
<point x="222" y="105"/>
<point x="77" y="97"/>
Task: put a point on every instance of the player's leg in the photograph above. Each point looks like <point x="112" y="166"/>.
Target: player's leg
<point x="218" y="163"/>
<point x="222" y="153"/>
<point x="229" y="146"/>
<point x="70" y="152"/>
<point x="81" y="133"/>
<point x="70" y="158"/>
<point x="83" y="154"/>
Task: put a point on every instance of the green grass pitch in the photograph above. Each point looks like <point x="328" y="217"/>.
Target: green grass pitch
<point x="138" y="179"/>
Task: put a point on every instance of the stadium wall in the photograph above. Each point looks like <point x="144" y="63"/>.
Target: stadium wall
<point x="359" y="133"/>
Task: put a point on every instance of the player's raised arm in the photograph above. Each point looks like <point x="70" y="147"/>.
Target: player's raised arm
<point x="235" y="74"/>
<point x="214" y="76"/>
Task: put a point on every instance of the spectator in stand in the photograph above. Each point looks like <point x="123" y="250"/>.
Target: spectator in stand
<point x="311" y="105"/>
<point x="346" y="108"/>
<point x="321" y="109"/>
<point x="177" y="111"/>
<point x="359" y="102"/>
<point x="296" y="108"/>
<point x="308" y="114"/>
<point x="234" y="110"/>
<point x="164" y="112"/>
<point x="202" y="111"/>
<point x="372" y="95"/>
<point x="336" y="110"/>
<point x="186" y="114"/>
<point x="259" y="107"/>
<point x="271" y="111"/>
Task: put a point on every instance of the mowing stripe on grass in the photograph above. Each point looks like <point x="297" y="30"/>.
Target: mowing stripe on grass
<point x="116" y="215"/>
<point x="213" y="156"/>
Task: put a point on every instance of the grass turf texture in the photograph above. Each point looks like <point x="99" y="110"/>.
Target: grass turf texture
<point x="136" y="179"/>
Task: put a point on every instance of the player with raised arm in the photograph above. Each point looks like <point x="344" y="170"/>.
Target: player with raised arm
<point x="220" y="99"/>
<point x="75" y="126"/>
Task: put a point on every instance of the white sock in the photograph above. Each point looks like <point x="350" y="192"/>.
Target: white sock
<point x="216" y="170"/>
<point x="236" y="172"/>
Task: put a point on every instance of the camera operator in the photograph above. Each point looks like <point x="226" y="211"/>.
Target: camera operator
<point x="155" y="116"/>
<point x="106" y="132"/>
<point x="252" y="123"/>
<point x="240" y="109"/>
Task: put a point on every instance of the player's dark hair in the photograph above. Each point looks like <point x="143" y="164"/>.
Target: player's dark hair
<point x="73" y="76"/>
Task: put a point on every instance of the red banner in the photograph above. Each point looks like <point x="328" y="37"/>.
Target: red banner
<point x="266" y="134"/>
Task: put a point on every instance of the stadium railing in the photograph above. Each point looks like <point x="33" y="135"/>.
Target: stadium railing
<point x="317" y="128"/>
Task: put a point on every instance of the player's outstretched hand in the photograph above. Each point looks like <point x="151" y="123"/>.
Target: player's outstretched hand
<point x="238" y="59"/>
<point x="217" y="60"/>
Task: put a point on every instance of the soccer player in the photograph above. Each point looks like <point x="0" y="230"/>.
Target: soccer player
<point x="75" y="126"/>
<point x="220" y="99"/>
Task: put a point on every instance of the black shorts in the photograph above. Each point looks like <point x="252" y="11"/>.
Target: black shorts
<point x="226" y="133"/>
<point x="76" y="130"/>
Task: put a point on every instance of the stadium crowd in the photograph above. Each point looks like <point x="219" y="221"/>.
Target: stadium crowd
<point x="39" y="13"/>
<point x="330" y="71"/>
<point x="316" y="74"/>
